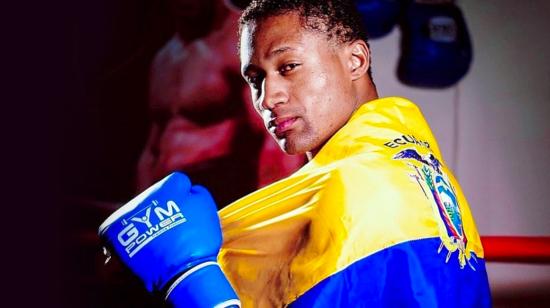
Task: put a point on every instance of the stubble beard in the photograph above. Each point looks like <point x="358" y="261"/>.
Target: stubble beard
<point x="296" y="145"/>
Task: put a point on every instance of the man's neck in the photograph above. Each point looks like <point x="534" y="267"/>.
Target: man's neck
<point x="366" y="93"/>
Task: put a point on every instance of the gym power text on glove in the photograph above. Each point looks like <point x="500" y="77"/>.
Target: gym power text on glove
<point x="169" y="236"/>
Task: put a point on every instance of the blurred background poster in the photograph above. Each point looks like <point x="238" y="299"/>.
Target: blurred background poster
<point x="161" y="91"/>
<point x="158" y="89"/>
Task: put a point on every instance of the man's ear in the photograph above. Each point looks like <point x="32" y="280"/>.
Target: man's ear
<point x="359" y="59"/>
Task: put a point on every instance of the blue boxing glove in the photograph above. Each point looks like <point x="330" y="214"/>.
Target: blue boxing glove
<point x="436" y="51"/>
<point x="169" y="236"/>
<point x="379" y="16"/>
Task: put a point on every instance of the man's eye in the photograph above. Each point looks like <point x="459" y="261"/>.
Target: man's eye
<point x="288" y="67"/>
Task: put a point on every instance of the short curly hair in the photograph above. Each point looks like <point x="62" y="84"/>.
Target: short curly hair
<point x="338" y="19"/>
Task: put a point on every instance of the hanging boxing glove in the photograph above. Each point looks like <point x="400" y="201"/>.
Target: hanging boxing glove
<point x="379" y="16"/>
<point x="435" y="45"/>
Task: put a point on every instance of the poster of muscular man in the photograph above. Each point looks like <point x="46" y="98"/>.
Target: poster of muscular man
<point x="196" y="117"/>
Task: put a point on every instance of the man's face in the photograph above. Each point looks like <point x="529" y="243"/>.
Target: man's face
<point x="300" y="82"/>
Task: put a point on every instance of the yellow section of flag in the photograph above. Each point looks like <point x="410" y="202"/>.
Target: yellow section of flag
<point x="352" y="200"/>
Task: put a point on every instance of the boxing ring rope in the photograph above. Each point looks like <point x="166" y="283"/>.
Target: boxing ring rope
<point x="519" y="249"/>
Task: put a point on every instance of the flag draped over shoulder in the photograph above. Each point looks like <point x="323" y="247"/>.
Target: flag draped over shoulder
<point x="375" y="219"/>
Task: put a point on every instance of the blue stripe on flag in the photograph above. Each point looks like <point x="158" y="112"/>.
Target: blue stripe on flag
<point x="410" y="274"/>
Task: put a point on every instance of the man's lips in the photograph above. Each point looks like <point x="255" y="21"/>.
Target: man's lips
<point x="280" y="125"/>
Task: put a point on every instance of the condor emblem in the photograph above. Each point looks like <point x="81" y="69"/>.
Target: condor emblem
<point x="438" y="188"/>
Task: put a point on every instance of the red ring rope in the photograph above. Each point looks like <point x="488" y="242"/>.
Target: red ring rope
<point x="523" y="249"/>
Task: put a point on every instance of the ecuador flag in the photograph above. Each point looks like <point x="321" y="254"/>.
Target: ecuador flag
<point x="376" y="219"/>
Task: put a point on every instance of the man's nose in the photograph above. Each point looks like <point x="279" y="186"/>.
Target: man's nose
<point x="274" y="91"/>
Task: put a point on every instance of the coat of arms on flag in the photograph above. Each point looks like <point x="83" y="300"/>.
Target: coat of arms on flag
<point x="438" y="188"/>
